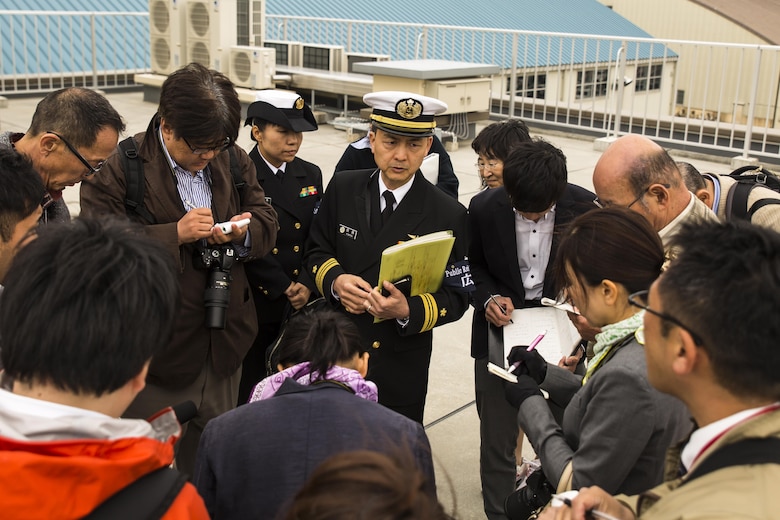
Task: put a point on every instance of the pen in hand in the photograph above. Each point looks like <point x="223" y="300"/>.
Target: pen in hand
<point x="500" y="307"/>
<point x="593" y="512"/>
<point x="531" y="347"/>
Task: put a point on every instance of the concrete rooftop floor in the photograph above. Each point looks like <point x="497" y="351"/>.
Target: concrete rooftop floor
<point x="450" y="416"/>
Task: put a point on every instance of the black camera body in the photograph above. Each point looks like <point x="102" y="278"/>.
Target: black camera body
<point x="218" y="259"/>
<point x="526" y="502"/>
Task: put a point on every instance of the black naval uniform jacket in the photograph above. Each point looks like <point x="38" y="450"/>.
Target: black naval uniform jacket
<point x="341" y="242"/>
<point x="295" y="198"/>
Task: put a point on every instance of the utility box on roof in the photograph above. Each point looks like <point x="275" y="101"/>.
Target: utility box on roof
<point x="465" y="87"/>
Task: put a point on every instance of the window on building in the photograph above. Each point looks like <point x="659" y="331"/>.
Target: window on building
<point x="592" y="83"/>
<point x="680" y="97"/>
<point x="529" y="85"/>
<point x="648" y="77"/>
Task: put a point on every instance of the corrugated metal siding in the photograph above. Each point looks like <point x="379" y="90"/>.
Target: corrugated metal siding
<point x="572" y="16"/>
<point x="560" y="16"/>
<point x="126" y="6"/>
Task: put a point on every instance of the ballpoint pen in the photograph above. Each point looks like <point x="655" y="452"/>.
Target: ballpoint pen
<point x="500" y="307"/>
<point x="531" y="347"/>
<point x="593" y="512"/>
<point x="536" y="340"/>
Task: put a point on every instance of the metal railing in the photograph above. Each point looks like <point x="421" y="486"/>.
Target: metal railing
<point x="47" y="50"/>
<point x="715" y="97"/>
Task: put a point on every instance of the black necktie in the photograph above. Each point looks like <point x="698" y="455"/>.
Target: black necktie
<point x="389" y="200"/>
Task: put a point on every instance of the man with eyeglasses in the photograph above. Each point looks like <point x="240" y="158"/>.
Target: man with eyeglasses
<point x="710" y="333"/>
<point x="492" y="146"/>
<point x="636" y="173"/>
<point x="72" y="133"/>
<point x="514" y="234"/>
<point x="186" y="154"/>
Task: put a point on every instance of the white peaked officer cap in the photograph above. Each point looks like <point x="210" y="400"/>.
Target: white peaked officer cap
<point x="404" y="113"/>
<point x="284" y="108"/>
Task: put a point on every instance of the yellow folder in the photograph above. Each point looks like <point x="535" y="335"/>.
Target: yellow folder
<point x="422" y="258"/>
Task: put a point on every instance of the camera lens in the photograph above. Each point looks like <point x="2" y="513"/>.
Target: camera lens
<point x="524" y="502"/>
<point x="216" y="299"/>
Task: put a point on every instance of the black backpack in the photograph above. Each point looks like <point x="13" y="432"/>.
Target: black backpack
<point x="133" y="167"/>
<point x="748" y="178"/>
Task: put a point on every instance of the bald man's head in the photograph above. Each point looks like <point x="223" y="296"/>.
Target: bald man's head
<point x="636" y="173"/>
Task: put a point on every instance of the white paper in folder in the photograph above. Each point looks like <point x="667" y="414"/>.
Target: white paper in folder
<point x="430" y="168"/>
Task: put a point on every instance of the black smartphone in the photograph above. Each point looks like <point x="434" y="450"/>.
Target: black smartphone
<point x="402" y="284"/>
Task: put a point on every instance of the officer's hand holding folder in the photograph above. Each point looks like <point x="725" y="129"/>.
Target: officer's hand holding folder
<point x="417" y="264"/>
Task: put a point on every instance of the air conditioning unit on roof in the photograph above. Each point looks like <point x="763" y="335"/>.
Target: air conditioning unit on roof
<point x="288" y="54"/>
<point x="362" y="57"/>
<point x="211" y="31"/>
<point x="252" y="67"/>
<point x="324" y="57"/>
<point x="167" y="30"/>
<point x="257" y="22"/>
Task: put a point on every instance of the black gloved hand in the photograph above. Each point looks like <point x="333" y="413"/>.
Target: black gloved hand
<point x="531" y="363"/>
<point x="518" y="392"/>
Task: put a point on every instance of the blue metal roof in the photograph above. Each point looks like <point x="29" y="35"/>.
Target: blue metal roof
<point x="567" y="16"/>
<point x="72" y="54"/>
<point x="559" y="16"/>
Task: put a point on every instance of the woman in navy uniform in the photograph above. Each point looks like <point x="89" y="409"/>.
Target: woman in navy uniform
<point x="294" y="188"/>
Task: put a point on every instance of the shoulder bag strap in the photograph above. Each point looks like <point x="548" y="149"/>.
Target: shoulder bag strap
<point x="134" y="180"/>
<point x="149" y="497"/>
<point x="746" y="452"/>
<point x="235" y="173"/>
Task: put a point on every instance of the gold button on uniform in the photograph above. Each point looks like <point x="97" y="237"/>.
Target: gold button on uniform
<point x="296" y="249"/>
<point x="265" y="292"/>
<point x="275" y="251"/>
<point x="375" y="344"/>
<point x="297" y="225"/>
<point x="295" y="272"/>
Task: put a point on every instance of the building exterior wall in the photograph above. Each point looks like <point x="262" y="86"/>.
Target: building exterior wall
<point x="721" y="75"/>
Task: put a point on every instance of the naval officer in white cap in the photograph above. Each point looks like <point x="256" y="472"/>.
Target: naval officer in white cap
<point x="294" y="188"/>
<point x="364" y="212"/>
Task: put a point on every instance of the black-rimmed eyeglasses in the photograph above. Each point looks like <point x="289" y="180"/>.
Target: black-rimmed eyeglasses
<point x="598" y="202"/>
<point x="201" y="150"/>
<point x="91" y="170"/>
<point x="639" y="299"/>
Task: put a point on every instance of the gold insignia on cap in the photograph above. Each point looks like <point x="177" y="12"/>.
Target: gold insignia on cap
<point x="299" y="103"/>
<point x="409" y="108"/>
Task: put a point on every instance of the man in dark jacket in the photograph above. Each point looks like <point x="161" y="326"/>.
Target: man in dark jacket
<point x="514" y="234"/>
<point x="186" y="157"/>
<point x="355" y="225"/>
